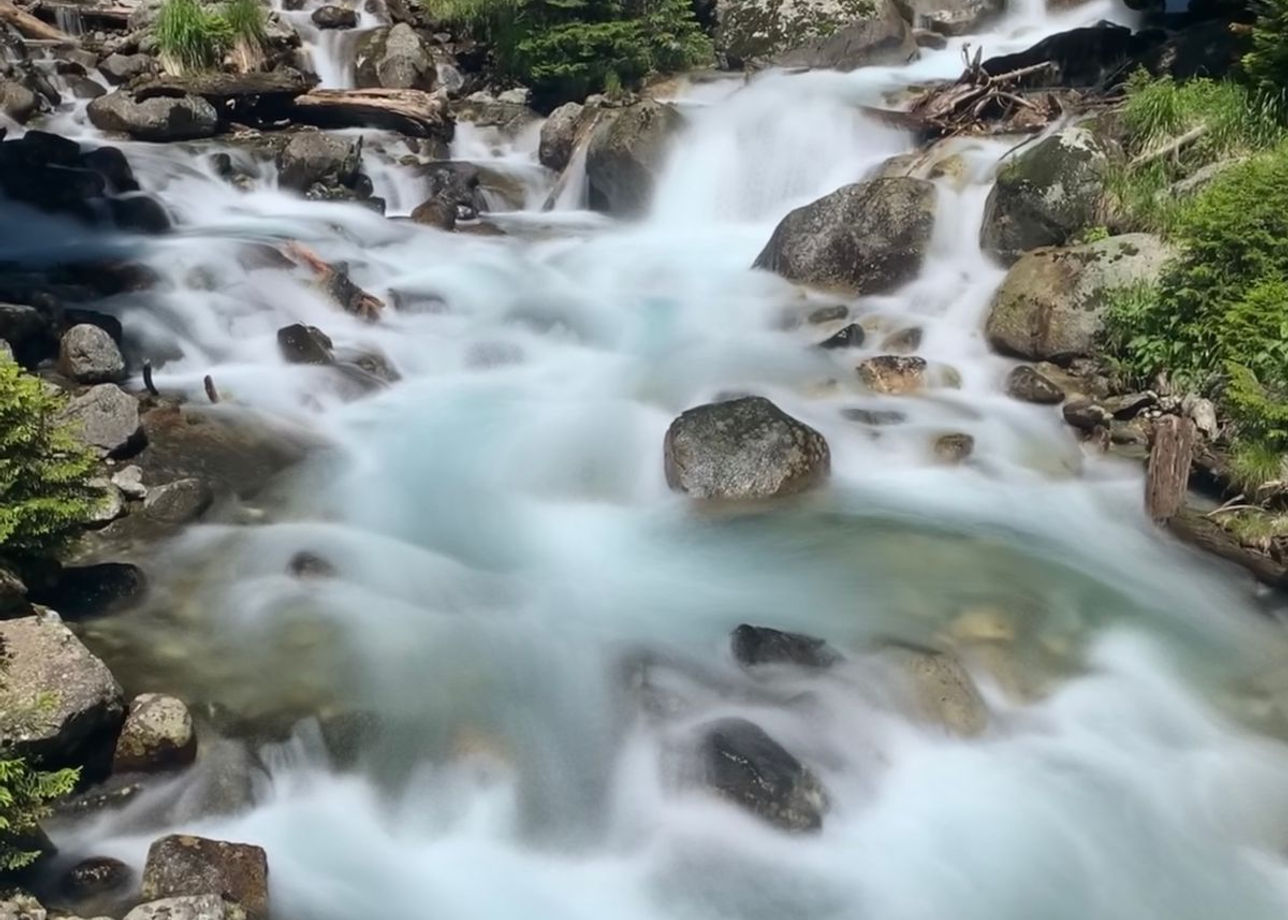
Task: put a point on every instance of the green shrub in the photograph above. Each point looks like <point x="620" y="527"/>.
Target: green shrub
<point x="25" y="795"/>
<point x="568" y="49"/>
<point x="1266" y="65"/>
<point x="190" y="36"/>
<point x="44" y="471"/>
<point x="247" y="20"/>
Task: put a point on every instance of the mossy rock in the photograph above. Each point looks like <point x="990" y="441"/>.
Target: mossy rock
<point x="841" y="34"/>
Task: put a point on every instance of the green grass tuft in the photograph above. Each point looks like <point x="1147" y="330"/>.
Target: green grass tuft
<point x="191" y="37"/>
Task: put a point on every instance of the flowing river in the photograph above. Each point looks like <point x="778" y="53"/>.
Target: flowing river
<point x="537" y="624"/>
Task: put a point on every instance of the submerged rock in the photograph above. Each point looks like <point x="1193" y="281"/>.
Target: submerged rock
<point x="158" y="734"/>
<point x="1051" y="304"/>
<point x="743" y="449"/>
<point x="743" y="764"/>
<point x="851" y="336"/>
<point x="953" y="448"/>
<point x="153" y="117"/>
<point x="94" y="876"/>
<point x="754" y="645"/>
<point x="893" y="375"/>
<point x="87" y="354"/>
<point x="1046" y="195"/>
<point x="942" y="690"/>
<point x="200" y="907"/>
<point x="59" y="705"/>
<point x="832" y="34"/>
<point x="301" y="344"/>
<point x="394" y="57"/>
<point x="185" y="866"/>
<point x="626" y="153"/>
<point x="865" y="238"/>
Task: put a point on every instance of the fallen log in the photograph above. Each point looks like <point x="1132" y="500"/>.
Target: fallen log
<point x="335" y="281"/>
<point x="30" y="27"/>
<point x="1167" y="478"/>
<point x="407" y="111"/>
<point x="112" y="17"/>
<point x="1201" y="531"/>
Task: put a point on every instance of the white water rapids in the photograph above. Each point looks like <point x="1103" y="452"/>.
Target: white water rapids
<point x="505" y="543"/>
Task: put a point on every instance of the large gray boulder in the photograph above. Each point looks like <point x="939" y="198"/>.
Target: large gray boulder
<point x="185" y="866"/>
<point x="59" y="705"/>
<point x="158" y="734"/>
<point x="394" y="57"/>
<point x="1051" y="305"/>
<point x="315" y="158"/>
<point x="106" y="418"/>
<point x="626" y="154"/>
<point x="154" y="118"/>
<point x="740" y="762"/>
<point x="1046" y="195"/>
<point x="865" y="238"/>
<point x="122" y="68"/>
<point x="951" y="17"/>
<point x="743" y="449"/>
<point x="16" y="101"/>
<point x="88" y="354"/>
<point x="836" y="34"/>
<point x="559" y="135"/>
<point x="201" y="907"/>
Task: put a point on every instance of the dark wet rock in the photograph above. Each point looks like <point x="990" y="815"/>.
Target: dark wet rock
<point x="851" y="336"/>
<point x="742" y="763"/>
<point x="924" y="38"/>
<point x="29" y="333"/>
<point x="87" y="354"/>
<point x="158" y="735"/>
<point x="893" y="375"/>
<point x="59" y="705"/>
<point x="833" y="34"/>
<point x="314" y="158"/>
<point x="122" y="68"/>
<point x="305" y="564"/>
<point x="436" y="212"/>
<point x="626" y="153"/>
<point x="197" y="907"/>
<point x="457" y="184"/>
<point x="1125" y="406"/>
<point x="16" y="101"/>
<point x="953" y="448"/>
<point x="1081" y="57"/>
<point x="106" y="418"/>
<point x="13" y="595"/>
<point x="1029" y="385"/>
<point x="140" y="213"/>
<point x="96" y="876"/>
<point x="865" y="238"/>
<point x="1051" y="304"/>
<point x="832" y="314"/>
<point x="111" y="164"/>
<point x="301" y="344"/>
<point x="84" y="87"/>
<point x="394" y="57"/>
<point x="186" y="866"/>
<point x="743" y="449"/>
<point x="754" y="645"/>
<point x="1086" y="415"/>
<point x="347" y="735"/>
<point x="178" y="502"/>
<point x="83" y="591"/>
<point x="334" y="17"/>
<point x="1047" y="195"/>
<point x="559" y="135"/>
<point x="903" y="342"/>
<point x="159" y="118"/>
<point x="875" y="417"/>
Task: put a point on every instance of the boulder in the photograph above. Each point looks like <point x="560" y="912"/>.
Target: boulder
<point x="832" y="34"/>
<point x="436" y="212"/>
<point x="851" y="336"/>
<point x="893" y="375"/>
<point x="753" y="645"/>
<point x="903" y="342"/>
<point x="301" y="344"/>
<point x="625" y="155"/>
<point x="740" y="762"/>
<point x="55" y="174"/>
<point x="1050" y="306"/>
<point x="122" y="68"/>
<point x="1086" y="415"/>
<point x="1046" y="195"/>
<point x="559" y="135"/>
<point x="16" y="101"/>
<point x="95" y="876"/>
<point x="87" y="354"/>
<point x="314" y="158"/>
<point x="394" y="57"/>
<point x="158" y="118"/>
<point x="185" y="866"/>
<point x="200" y="907"/>
<point x="743" y="449"/>
<point x="334" y="17"/>
<point x="951" y="17"/>
<point x="130" y="481"/>
<point x="953" y="448"/>
<point x="81" y="591"/>
<point x="865" y="238"/>
<point x="178" y="502"/>
<point x="1029" y="385"/>
<point x="59" y="705"/>
<point x="874" y="417"/>
<point x="13" y="595"/>
<point x="456" y="184"/>
<point x="158" y="734"/>
<point x="941" y="689"/>
<point x="106" y="418"/>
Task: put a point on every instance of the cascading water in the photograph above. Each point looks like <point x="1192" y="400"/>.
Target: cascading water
<point x="537" y="625"/>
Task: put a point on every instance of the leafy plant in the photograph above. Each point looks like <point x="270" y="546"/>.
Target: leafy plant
<point x="25" y="794"/>
<point x="1266" y="65"/>
<point x="45" y="493"/>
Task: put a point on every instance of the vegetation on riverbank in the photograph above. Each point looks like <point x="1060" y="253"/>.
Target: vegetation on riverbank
<point x="193" y="37"/>
<point x="45" y="495"/>
<point x="25" y="796"/>
<point x="565" y="50"/>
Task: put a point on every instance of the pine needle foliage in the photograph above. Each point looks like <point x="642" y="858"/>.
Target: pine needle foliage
<point x="45" y="493"/>
<point x="25" y="796"/>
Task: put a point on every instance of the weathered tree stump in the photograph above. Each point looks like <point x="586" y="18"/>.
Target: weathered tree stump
<point x="1167" y="478"/>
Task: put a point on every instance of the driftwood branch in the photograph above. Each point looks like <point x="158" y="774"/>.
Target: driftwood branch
<point x="1170" y="147"/>
<point x="211" y="393"/>
<point x="335" y="281"/>
<point x="30" y="27"/>
<point x="147" y="379"/>
<point x="1167" y="477"/>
